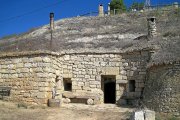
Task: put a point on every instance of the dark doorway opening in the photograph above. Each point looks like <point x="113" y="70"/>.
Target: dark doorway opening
<point x="132" y="86"/>
<point x="67" y="84"/>
<point x="109" y="88"/>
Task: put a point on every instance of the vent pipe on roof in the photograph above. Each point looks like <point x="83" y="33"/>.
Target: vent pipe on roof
<point x="51" y="21"/>
<point x="152" y="27"/>
<point x="101" y="10"/>
<point x="109" y="9"/>
<point x="176" y="5"/>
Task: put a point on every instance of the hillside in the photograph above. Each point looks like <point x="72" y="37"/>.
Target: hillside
<point x="121" y="33"/>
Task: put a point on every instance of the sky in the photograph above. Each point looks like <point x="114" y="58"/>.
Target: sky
<point x="18" y="16"/>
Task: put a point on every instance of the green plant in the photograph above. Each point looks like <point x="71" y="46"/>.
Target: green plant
<point x="118" y="5"/>
<point x="173" y="118"/>
<point x="137" y="5"/>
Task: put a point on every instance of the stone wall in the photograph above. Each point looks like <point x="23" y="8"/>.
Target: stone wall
<point x="162" y="88"/>
<point x="30" y="76"/>
<point x="86" y="71"/>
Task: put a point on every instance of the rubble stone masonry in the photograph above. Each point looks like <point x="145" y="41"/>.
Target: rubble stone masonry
<point x="162" y="88"/>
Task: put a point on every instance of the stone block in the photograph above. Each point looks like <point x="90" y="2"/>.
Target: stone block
<point x="54" y="103"/>
<point x="24" y="70"/>
<point x="130" y="73"/>
<point x="66" y="100"/>
<point x="38" y="59"/>
<point x="34" y="64"/>
<point x="11" y="66"/>
<point x="92" y="86"/>
<point x="138" y="89"/>
<point x="4" y="66"/>
<point x="26" y="95"/>
<point x="90" y="101"/>
<point x="94" y="83"/>
<point x="44" y="89"/>
<point x="122" y="102"/>
<point x="13" y="76"/>
<point x="67" y="75"/>
<point x="119" y="77"/>
<point x="124" y="77"/>
<point x="67" y="57"/>
<point x="141" y="85"/>
<point x="41" y="95"/>
<point x="110" y="70"/>
<point x="16" y="60"/>
<point x="137" y="115"/>
<point x="19" y="65"/>
<point x="142" y="73"/>
<point x="125" y="64"/>
<point x="123" y="72"/>
<point x="27" y="65"/>
<point x="149" y="115"/>
<point x="121" y="81"/>
<point x="46" y="59"/>
<point x="42" y="75"/>
<point x="87" y="76"/>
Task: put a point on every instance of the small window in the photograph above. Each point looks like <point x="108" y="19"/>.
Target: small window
<point x="67" y="84"/>
<point x="132" y="86"/>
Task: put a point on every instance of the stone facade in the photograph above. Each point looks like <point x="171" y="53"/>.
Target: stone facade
<point x="82" y="77"/>
<point x="86" y="71"/>
<point x="33" y="76"/>
<point x="30" y="76"/>
<point x="162" y="89"/>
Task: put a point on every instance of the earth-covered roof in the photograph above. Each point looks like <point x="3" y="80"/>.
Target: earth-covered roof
<point x="120" y="33"/>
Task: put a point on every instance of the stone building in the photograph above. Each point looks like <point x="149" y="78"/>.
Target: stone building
<point x="94" y="60"/>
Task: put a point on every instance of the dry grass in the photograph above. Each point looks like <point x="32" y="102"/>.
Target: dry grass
<point x="87" y="30"/>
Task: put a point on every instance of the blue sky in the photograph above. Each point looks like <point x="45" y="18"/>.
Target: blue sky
<point x="63" y="9"/>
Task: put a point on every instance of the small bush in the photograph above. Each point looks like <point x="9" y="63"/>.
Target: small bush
<point x="169" y="34"/>
<point x="22" y="105"/>
<point x="163" y="116"/>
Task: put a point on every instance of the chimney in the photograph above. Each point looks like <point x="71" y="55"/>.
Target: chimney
<point x="152" y="27"/>
<point x="51" y="21"/>
<point x="101" y="10"/>
<point x="109" y="9"/>
<point x="175" y="4"/>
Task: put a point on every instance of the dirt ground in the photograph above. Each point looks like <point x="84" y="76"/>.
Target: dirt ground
<point x="11" y="111"/>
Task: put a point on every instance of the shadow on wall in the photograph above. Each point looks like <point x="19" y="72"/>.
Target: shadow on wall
<point x="162" y="91"/>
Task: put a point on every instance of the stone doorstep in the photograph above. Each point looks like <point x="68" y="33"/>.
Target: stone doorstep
<point x="71" y="95"/>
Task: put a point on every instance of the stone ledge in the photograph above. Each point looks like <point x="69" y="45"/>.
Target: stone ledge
<point x="27" y="53"/>
<point x="121" y="81"/>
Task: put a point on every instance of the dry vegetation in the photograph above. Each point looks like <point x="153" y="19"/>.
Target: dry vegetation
<point x="125" y="32"/>
<point x="166" y="116"/>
